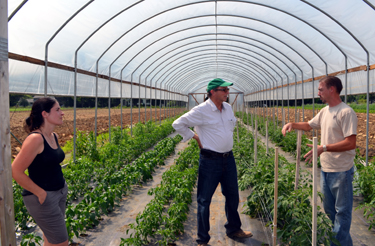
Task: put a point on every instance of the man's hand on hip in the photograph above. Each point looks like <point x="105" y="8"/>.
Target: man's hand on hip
<point x="196" y="137"/>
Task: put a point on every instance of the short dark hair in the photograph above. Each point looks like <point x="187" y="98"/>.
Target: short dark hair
<point x="330" y="81"/>
<point x="209" y="94"/>
<point x="35" y="120"/>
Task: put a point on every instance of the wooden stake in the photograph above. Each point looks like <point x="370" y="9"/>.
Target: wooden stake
<point x="275" y="196"/>
<point x="252" y="118"/>
<point x="315" y="190"/>
<point x="247" y="115"/>
<point x="247" y="125"/>
<point x="238" y="135"/>
<point x="267" y="137"/>
<point x="299" y="138"/>
<point x="256" y="142"/>
<point x="7" y="233"/>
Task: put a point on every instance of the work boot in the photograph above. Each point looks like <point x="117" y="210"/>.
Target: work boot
<point x="241" y="234"/>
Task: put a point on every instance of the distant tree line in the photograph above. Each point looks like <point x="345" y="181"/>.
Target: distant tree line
<point x="359" y="99"/>
<point x="82" y="102"/>
<point x="89" y="102"/>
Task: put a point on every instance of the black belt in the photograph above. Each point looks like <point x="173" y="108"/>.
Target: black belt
<point x="208" y="152"/>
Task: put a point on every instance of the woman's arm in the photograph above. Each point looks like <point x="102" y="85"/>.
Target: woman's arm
<point x="32" y="146"/>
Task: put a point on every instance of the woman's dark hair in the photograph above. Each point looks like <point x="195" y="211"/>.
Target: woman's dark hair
<point x="35" y="120"/>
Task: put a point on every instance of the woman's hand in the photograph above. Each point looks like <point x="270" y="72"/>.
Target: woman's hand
<point x="42" y="197"/>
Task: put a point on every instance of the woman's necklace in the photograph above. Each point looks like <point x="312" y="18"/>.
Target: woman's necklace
<point x="50" y="139"/>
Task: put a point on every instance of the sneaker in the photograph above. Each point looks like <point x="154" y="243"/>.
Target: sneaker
<point x="241" y="234"/>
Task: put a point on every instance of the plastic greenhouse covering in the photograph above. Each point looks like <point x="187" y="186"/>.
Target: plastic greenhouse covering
<point x="260" y="46"/>
<point x="270" y="50"/>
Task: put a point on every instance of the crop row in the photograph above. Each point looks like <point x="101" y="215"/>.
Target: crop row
<point x="92" y="178"/>
<point x="164" y="215"/>
<point x="294" y="207"/>
<point x="363" y="180"/>
<point x="365" y="184"/>
<point x="111" y="187"/>
<point x="287" y="143"/>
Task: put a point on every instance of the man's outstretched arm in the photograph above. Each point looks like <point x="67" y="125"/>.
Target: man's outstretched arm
<point x="297" y="126"/>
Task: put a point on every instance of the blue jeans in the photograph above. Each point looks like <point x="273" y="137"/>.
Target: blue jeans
<point x="212" y="171"/>
<point x="337" y="189"/>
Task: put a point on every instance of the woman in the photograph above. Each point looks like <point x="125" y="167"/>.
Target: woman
<point x="45" y="190"/>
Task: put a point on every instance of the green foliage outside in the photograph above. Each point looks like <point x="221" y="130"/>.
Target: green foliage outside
<point x="358" y="108"/>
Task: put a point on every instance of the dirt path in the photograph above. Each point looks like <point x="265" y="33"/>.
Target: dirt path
<point x="85" y="122"/>
<point x="217" y="220"/>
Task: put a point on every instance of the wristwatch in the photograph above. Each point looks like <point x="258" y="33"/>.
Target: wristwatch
<point x="324" y="148"/>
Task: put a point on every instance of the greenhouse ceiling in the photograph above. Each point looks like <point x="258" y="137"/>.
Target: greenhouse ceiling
<point x="278" y="48"/>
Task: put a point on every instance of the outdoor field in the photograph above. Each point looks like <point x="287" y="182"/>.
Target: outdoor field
<point x="85" y="122"/>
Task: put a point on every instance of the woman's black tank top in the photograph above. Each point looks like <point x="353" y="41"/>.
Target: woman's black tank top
<point x="45" y="170"/>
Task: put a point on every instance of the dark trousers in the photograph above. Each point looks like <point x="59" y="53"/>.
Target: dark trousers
<point x="215" y="169"/>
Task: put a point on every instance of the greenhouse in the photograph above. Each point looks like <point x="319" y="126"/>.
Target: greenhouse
<point x="123" y="71"/>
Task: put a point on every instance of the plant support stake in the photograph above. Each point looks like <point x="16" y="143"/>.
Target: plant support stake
<point x="255" y="142"/>
<point x="267" y="137"/>
<point x="275" y="197"/>
<point x="299" y="138"/>
<point x="315" y="191"/>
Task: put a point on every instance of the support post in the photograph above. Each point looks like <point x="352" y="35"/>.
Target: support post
<point x="266" y="136"/>
<point x="315" y="190"/>
<point x="297" y="117"/>
<point x="238" y="134"/>
<point x="7" y="233"/>
<point x="256" y="142"/>
<point x="275" y="196"/>
<point x="252" y="120"/>
<point x="299" y="138"/>
<point x="247" y="116"/>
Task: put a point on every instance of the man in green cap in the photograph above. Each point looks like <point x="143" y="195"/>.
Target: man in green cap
<point x="214" y="123"/>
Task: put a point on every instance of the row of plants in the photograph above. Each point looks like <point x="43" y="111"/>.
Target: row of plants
<point x="364" y="183"/>
<point x="164" y="215"/>
<point x="294" y="207"/>
<point x="363" y="180"/>
<point x="287" y="143"/>
<point x="111" y="186"/>
<point x="97" y="161"/>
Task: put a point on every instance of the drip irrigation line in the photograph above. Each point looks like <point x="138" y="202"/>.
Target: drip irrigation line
<point x="265" y="227"/>
<point x="264" y="207"/>
<point x="266" y="232"/>
<point x="15" y="137"/>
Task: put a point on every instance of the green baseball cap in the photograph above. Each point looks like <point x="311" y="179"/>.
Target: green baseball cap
<point x="216" y="83"/>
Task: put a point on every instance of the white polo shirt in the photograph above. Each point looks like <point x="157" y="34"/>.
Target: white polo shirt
<point x="214" y="128"/>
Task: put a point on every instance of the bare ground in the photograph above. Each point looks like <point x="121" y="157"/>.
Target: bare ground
<point x="308" y="115"/>
<point x="85" y="122"/>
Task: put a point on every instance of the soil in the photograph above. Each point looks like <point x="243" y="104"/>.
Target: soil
<point x="85" y="122"/>
<point x="308" y="115"/>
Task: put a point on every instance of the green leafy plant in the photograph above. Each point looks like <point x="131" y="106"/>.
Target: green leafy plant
<point x="31" y="239"/>
<point x="294" y="207"/>
<point x="164" y="215"/>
